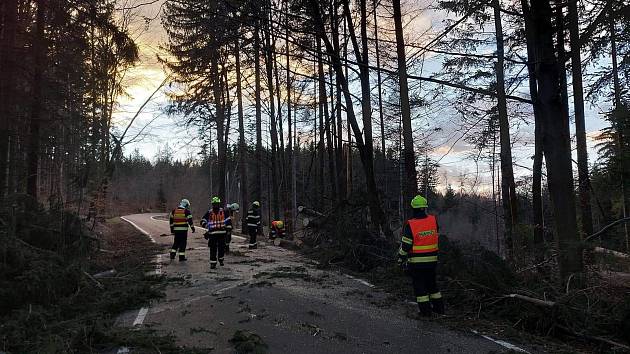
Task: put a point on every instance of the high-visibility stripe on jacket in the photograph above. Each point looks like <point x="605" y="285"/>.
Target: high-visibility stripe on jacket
<point x="180" y="219"/>
<point x="216" y="222"/>
<point x="253" y="218"/>
<point x="419" y="243"/>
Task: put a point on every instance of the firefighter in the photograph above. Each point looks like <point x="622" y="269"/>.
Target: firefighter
<point x="217" y="221"/>
<point x="277" y="229"/>
<point x="253" y="224"/>
<point x="180" y="219"/>
<point x="232" y="209"/>
<point x="418" y="255"/>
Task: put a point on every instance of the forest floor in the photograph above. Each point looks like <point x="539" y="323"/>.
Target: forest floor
<point x="275" y="300"/>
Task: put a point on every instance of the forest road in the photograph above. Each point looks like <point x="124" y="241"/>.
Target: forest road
<point x="282" y="297"/>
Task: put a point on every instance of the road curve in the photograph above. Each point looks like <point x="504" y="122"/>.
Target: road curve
<point x="282" y="297"/>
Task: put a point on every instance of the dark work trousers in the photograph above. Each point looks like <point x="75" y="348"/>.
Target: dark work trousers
<point x="253" y="232"/>
<point x="217" y="247"/>
<point x="180" y="239"/>
<point x="425" y="287"/>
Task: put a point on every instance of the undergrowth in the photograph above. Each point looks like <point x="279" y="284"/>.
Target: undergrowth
<point x="48" y="300"/>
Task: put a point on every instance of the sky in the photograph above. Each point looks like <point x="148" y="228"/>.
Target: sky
<point x="153" y="129"/>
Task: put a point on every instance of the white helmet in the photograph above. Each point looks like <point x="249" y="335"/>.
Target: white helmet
<point x="184" y="203"/>
<point x="234" y="206"/>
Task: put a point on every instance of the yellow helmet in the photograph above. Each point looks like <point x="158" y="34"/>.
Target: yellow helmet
<point x="419" y="202"/>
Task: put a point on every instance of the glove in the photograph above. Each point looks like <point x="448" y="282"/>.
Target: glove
<point x="206" y="236"/>
<point x="192" y="228"/>
<point x="402" y="263"/>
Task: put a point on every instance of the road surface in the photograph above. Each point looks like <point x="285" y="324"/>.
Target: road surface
<point x="283" y="298"/>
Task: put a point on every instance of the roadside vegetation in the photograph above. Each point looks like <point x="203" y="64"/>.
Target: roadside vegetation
<point x="62" y="284"/>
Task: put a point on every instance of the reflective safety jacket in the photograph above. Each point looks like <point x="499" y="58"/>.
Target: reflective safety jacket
<point x="217" y="222"/>
<point x="253" y="218"/>
<point x="275" y="230"/>
<point x="419" y="244"/>
<point x="179" y="219"/>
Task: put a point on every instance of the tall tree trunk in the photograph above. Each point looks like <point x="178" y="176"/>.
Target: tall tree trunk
<point x="556" y="142"/>
<point x="269" y="59"/>
<point x="36" y="103"/>
<point x="258" y="192"/>
<point x="242" y="168"/>
<point x="621" y="124"/>
<point x="580" y="128"/>
<point x="379" y="84"/>
<point x="7" y="86"/>
<point x="411" y="180"/>
<point x="322" y="104"/>
<point x="366" y="94"/>
<point x="282" y="149"/>
<point x="364" y="75"/>
<point x="339" y="152"/>
<point x="508" y="187"/>
<point x="532" y="59"/>
<point x="220" y="121"/>
<point x="376" y="211"/>
<point x="291" y="173"/>
<point x="323" y="98"/>
<point x="348" y="149"/>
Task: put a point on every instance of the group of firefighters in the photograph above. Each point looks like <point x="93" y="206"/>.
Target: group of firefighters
<point x="218" y="223"/>
<point x="417" y="255"/>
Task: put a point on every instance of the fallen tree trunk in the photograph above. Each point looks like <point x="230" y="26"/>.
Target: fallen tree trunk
<point x="606" y="228"/>
<point x="532" y="300"/>
<point x="105" y="274"/>
<point x="310" y="212"/>
<point x="609" y="252"/>
<point x="292" y="245"/>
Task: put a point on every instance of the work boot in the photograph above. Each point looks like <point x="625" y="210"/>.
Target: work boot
<point x="438" y="306"/>
<point x="213" y="265"/>
<point x="173" y="254"/>
<point x="254" y="246"/>
<point x="221" y="262"/>
<point x="182" y="258"/>
<point x="424" y="309"/>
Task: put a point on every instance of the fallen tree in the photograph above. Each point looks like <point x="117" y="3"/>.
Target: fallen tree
<point x="477" y="284"/>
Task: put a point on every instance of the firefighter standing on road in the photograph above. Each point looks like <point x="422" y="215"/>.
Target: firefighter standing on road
<point x="418" y="255"/>
<point x="253" y="224"/>
<point x="180" y="219"/>
<point x="217" y="221"/>
<point x="277" y="229"/>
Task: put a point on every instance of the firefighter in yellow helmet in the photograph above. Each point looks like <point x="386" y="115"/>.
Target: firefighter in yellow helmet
<point x="418" y="255"/>
<point x="180" y="219"/>
<point x="276" y="230"/>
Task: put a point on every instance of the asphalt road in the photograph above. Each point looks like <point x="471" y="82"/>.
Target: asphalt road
<point x="283" y="298"/>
